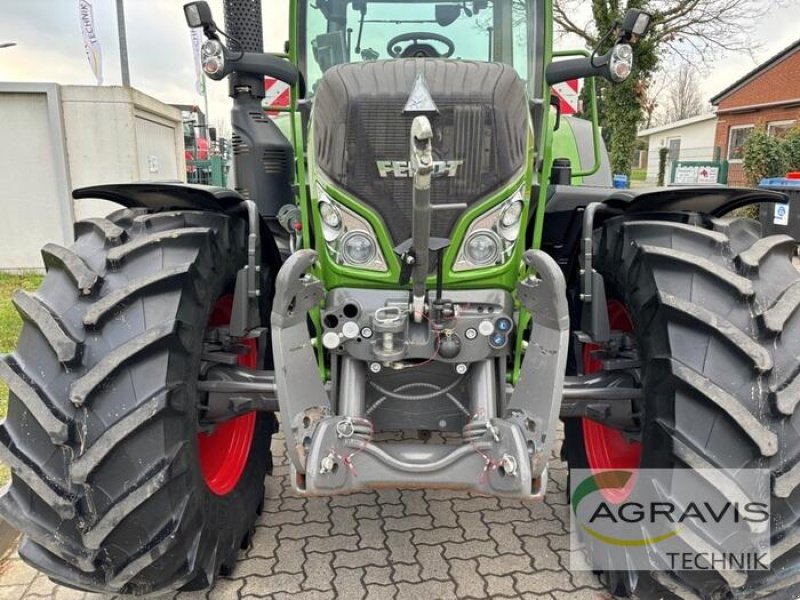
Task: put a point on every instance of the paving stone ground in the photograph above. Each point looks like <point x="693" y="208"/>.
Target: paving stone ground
<point x="392" y="544"/>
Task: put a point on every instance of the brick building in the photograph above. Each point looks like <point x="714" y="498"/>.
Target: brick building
<point x="768" y="96"/>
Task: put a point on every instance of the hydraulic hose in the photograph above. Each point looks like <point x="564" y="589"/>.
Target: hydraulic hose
<point x="430" y="396"/>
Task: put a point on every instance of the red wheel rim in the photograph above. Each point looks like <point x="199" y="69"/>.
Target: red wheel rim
<point x="224" y="452"/>
<point x="607" y="448"/>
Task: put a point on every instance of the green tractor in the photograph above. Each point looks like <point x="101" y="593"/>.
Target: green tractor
<point x="405" y="250"/>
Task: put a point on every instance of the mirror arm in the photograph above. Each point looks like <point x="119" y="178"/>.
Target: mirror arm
<point x="577" y="68"/>
<point x="258" y="64"/>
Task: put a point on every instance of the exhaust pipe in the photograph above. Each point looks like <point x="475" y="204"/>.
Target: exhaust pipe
<point x="263" y="159"/>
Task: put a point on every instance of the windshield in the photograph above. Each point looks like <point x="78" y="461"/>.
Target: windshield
<point x="343" y="31"/>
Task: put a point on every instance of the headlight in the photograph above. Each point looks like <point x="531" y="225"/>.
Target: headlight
<point x="330" y="215"/>
<point x="483" y="248"/>
<point x="331" y="218"/>
<point x="491" y="237"/>
<point x="213" y="58"/>
<point x="510" y="220"/>
<point x="621" y="62"/>
<point x="358" y="248"/>
<point x="512" y="214"/>
<point x="349" y="237"/>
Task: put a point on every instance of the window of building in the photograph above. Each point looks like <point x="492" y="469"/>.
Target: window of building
<point x="780" y="128"/>
<point x="675" y="148"/>
<point x="736" y="139"/>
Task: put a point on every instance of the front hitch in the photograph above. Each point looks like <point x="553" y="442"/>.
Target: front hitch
<point x="302" y="397"/>
<point x="333" y="447"/>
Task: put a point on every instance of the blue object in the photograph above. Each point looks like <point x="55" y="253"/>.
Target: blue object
<point x="771" y="182"/>
<point x="621" y="182"/>
<point x="504" y="324"/>
<point x="497" y="340"/>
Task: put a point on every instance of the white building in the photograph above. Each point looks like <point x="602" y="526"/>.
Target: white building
<point x="688" y="140"/>
<point x="57" y="138"/>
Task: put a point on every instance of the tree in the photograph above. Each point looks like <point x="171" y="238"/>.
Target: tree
<point x="764" y="156"/>
<point x="652" y="99"/>
<point x="791" y="143"/>
<point x="692" y="31"/>
<point x="683" y="98"/>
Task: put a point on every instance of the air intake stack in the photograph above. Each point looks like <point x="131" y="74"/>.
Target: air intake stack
<point x="263" y="157"/>
<point x="243" y="22"/>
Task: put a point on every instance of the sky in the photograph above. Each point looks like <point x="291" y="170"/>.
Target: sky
<point x="50" y="46"/>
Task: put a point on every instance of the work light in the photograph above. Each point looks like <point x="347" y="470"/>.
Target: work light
<point x="635" y="24"/>
<point x="198" y="14"/>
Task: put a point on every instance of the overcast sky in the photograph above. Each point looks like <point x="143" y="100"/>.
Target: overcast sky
<point x="50" y="47"/>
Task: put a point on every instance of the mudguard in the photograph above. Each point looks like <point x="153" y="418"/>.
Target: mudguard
<point x="563" y="212"/>
<point x="166" y="195"/>
<point x="255" y="282"/>
<point x="714" y="201"/>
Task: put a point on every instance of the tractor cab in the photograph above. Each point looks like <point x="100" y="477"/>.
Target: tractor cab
<point x="335" y="32"/>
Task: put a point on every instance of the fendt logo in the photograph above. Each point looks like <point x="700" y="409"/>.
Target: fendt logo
<point x="402" y="168"/>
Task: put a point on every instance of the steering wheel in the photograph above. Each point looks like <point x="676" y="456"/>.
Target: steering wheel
<point x="417" y="49"/>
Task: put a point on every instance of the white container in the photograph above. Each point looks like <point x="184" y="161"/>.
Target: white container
<point x="56" y="138"/>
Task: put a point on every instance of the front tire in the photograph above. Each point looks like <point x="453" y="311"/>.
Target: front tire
<point x="716" y="316"/>
<point x="102" y="429"/>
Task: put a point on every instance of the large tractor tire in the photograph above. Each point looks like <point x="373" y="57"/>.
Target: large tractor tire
<point x="113" y="486"/>
<point x="714" y="309"/>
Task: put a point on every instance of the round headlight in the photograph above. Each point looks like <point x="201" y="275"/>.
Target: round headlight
<point x="621" y="63"/>
<point x="212" y="65"/>
<point x="512" y="214"/>
<point x="330" y="215"/>
<point x="213" y="58"/>
<point x="358" y="248"/>
<point x="483" y="248"/>
<point x="211" y="47"/>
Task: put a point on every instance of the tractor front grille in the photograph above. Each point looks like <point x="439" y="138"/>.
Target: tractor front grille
<point x="482" y="124"/>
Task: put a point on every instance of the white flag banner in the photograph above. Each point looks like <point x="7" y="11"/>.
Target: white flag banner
<point x="197" y="42"/>
<point x="94" y="52"/>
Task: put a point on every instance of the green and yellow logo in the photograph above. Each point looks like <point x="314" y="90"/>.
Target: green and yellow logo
<point x="610" y="480"/>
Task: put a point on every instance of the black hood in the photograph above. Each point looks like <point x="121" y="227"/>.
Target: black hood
<point x="361" y="133"/>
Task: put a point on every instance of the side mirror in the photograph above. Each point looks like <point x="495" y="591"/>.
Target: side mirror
<point x="212" y="134"/>
<point x="447" y="14"/>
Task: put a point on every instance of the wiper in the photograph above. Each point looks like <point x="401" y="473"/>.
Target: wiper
<point x="361" y="29"/>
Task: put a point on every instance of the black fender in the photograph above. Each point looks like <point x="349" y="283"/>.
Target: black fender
<point x="175" y="195"/>
<point x="563" y="220"/>
<point x="167" y="196"/>
<point x="713" y="201"/>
